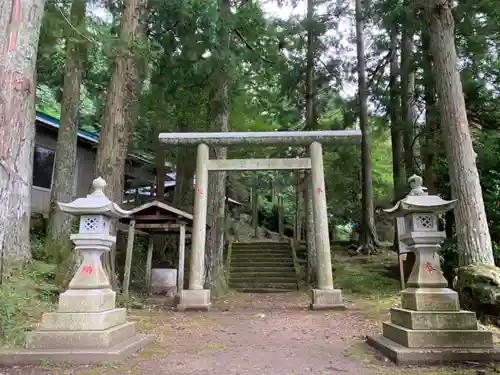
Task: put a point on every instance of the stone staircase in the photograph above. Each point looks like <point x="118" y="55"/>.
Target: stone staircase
<point x="263" y="267"/>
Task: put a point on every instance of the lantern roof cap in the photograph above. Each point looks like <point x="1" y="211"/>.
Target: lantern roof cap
<point x="418" y="200"/>
<point x="96" y="203"/>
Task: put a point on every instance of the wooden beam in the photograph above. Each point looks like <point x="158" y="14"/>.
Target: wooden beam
<point x="128" y="258"/>
<point x="164" y="226"/>
<point x="149" y="262"/>
<point x="180" y="270"/>
<point x="154" y="217"/>
<point x="258" y="164"/>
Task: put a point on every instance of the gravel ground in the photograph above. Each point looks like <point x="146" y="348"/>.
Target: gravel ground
<point x="246" y="334"/>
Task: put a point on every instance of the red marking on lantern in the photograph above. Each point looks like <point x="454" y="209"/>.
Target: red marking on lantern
<point x="87" y="269"/>
<point x="428" y="267"/>
<point x="199" y="192"/>
<point x="319" y="190"/>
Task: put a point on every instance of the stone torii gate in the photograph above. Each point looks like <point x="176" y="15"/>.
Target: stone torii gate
<point x="324" y="296"/>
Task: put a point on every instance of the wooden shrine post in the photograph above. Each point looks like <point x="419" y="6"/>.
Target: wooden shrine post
<point x="182" y="248"/>
<point x="128" y="257"/>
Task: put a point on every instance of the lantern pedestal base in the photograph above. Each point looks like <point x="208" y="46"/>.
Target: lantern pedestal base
<point x="86" y="300"/>
<point x="95" y="321"/>
<point x="430" y="299"/>
<point x="431" y="328"/>
<point x="194" y="299"/>
<point x="87" y="328"/>
<point x="327" y="299"/>
<point x="403" y="356"/>
<point x="434" y="338"/>
<point x="116" y="353"/>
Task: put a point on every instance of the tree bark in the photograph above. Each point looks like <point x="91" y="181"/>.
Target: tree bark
<point x="398" y="171"/>
<point x="59" y="226"/>
<point x="407" y="97"/>
<point x="255" y="209"/>
<point x="431" y="139"/>
<point x="474" y="242"/>
<point x="119" y="112"/>
<point x="219" y="110"/>
<point x="184" y="172"/>
<point x="368" y="236"/>
<point x="310" y="237"/>
<point x="160" y="167"/>
<point x="18" y="50"/>
<point x="299" y="199"/>
<point x="310" y="125"/>
<point x="394" y="112"/>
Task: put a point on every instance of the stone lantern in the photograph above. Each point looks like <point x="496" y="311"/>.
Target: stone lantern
<point x="429" y="327"/>
<point x="87" y="327"/>
<point x="93" y="239"/>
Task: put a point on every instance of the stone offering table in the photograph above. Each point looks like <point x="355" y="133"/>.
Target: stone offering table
<point x="87" y="327"/>
<point x="429" y="327"/>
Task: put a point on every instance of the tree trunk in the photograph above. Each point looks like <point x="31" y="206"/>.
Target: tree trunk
<point x="367" y="237"/>
<point x="184" y="172"/>
<point x="65" y="179"/>
<point x="219" y="110"/>
<point x="474" y="242"/>
<point x="407" y="97"/>
<point x="432" y="140"/>
<point x="119" y="112"/>
<point x="310" y="125"/>
<point x="281" y="217"/>
<point x="21" y="21"/>
<point x="310" y="121"/>
<point x="394" y="111"/>
<point x="398" y="171"/>
<point x="255" y="209"/>
<point x="310" y="237"/>
<point x="299" y="199"/>
<point x="159" y="168"/>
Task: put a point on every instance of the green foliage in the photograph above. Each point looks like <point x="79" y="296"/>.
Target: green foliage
<point x="24" y="296"/>
<point x="449" y="258"/>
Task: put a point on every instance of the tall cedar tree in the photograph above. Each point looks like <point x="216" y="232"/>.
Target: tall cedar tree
<point x="474" y="242"/>
<point x="20" y="23"/>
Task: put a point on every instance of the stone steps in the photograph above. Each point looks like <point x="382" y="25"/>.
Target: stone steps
<point x="252" y="287"/>
<point x="264" y="267"/>
<point x="259" y="253"/>
<point x="273" y="268"/>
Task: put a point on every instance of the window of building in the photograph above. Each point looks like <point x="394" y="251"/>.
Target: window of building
<point x="43" y="167"/>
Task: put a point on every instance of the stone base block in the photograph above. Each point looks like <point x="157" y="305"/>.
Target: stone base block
<point x="436" y="356"/>
<point x="97" y="321"/>
<point x="430" y="299"/>
<point x="437" y="338"/>
<point x="117" y="353"/>
<point x="194" y="299"/>
<point x="425" y="320"/>
<point x="86" y="300"/>
<point x="327" y="299"/>
<point x="80" y="339"/>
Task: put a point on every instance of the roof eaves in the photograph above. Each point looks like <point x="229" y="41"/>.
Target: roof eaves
<point x="54" y="122"/>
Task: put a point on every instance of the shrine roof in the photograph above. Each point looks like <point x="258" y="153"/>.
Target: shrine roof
<point x="157" y="208"/>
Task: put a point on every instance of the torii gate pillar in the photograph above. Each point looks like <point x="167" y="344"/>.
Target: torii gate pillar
<point x="324" y="296"/>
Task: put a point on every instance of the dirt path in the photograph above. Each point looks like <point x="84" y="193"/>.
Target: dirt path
<point x="245" y="334"/>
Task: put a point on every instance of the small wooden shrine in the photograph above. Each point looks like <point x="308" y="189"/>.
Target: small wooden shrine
<point x="151" y="218"/>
